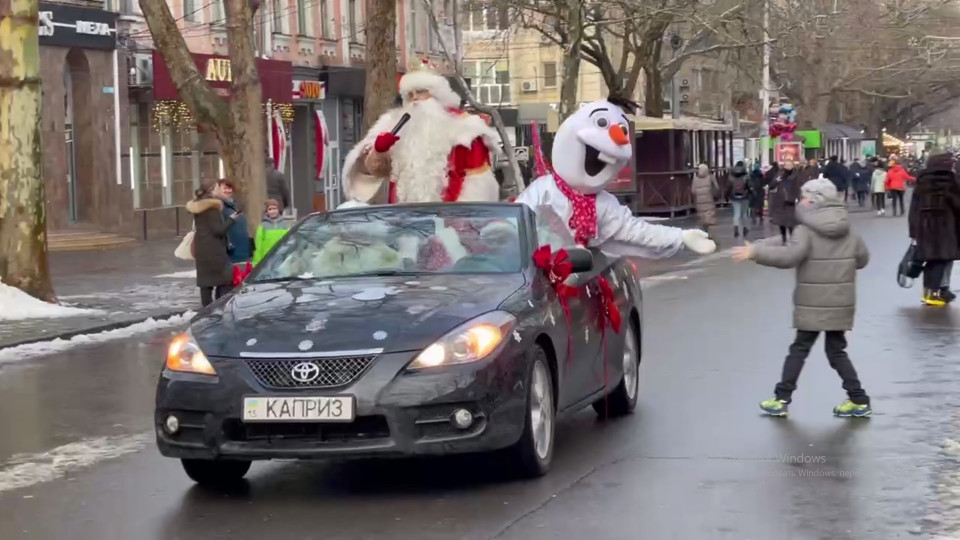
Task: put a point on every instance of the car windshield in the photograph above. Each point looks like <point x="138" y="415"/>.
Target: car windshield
<point x="433" y="239"/>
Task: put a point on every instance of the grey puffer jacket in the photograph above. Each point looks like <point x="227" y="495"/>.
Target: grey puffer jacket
<point x="827" y="256"/>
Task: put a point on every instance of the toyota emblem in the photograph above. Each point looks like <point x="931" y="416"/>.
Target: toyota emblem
<point x="305" y="372"/>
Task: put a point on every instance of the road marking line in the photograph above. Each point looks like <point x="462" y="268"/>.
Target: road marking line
<point x="25" y="470"/>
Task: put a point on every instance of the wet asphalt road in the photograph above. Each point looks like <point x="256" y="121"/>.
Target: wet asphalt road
<point x="77" y="459"/>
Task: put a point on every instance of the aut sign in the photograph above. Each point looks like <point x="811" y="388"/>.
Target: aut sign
<point x="69" y="26"/>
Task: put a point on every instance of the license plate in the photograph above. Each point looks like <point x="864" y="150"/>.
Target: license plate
<point x="298" y="409"/>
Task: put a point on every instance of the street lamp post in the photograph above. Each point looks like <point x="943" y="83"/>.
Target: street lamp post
<point x="765" y="90"/>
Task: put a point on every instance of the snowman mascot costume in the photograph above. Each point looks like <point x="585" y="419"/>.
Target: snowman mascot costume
<point x="590" y="148"/>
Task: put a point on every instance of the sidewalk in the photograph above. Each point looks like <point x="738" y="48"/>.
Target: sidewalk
<point x="128" y="285"/>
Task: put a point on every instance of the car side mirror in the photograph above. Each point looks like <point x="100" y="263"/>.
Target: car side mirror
<point x="581" y="259"/>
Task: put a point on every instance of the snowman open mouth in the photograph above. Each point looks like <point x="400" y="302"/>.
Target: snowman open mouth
<point x="594" y="161"/>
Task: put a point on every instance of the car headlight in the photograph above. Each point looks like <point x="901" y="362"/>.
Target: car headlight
<point x="469" y="342"/>
<point x="185" y="356"/>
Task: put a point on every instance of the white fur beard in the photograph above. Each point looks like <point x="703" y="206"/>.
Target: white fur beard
<point x="420" y="158"/>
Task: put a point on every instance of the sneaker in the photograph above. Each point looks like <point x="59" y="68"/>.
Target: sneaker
<point x="933" y="299"/>
<point x="774" y="406"/>
<point x="879" y="213"/>
<point x="849" y="409"/>
<point x="947" y="295"/>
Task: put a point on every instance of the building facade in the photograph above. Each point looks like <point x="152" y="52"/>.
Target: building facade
<point x="121" y="154"/>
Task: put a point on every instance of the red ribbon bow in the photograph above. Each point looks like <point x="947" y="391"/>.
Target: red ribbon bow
<point x="608" y="306"/>
<point x="557" y="268"/>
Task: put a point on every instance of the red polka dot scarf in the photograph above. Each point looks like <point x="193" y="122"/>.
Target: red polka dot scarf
<point x="583" y="221"/>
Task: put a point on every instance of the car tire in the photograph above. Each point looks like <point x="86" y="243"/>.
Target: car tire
<point x="623" y="400"/>
<point x="215" y="472"/>
<point x="533" y="453"/>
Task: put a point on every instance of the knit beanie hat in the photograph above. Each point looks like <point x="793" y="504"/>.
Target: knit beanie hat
<point x="820" y="190"/>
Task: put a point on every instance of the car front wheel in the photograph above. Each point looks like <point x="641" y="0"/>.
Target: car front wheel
<point x="215" y="473"/>
<point x="623" y="399"/>
<point x="534" y="451"/>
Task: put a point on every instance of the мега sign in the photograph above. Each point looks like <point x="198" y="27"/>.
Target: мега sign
<point x="69" y="26"/>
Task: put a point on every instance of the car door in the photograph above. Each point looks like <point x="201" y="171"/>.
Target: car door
<point x="578" y="377"/>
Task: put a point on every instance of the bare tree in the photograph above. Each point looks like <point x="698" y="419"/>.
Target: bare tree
<point x="236" y="122"/>
<point x="23" y="239"/>
<point x="453" y="60"/>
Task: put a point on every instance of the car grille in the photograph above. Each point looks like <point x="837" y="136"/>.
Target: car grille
<point x="363" y="428"/>
<point x="334" y="372"/>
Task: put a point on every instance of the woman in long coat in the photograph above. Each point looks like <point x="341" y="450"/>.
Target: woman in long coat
<point x="935" y="223"/>
<point x="784" y="192"/>
<point x="214" y="268"/>
<point x="706" y="191"/>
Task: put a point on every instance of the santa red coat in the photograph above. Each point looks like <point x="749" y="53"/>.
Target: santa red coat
<point x="450" y="163"/>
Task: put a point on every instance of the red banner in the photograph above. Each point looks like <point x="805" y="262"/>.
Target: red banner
<point x="276" y="77"/>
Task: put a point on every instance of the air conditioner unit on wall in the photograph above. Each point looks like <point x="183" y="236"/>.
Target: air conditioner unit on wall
<point x="685" y="98"/>
<point x="528" y="86"/>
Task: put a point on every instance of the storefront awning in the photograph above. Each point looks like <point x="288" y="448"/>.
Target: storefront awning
<point x="841" y="131"/>
<point x="276" y="77"/>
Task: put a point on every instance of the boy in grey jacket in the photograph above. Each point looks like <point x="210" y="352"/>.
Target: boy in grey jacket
<point x="827" y="256"/>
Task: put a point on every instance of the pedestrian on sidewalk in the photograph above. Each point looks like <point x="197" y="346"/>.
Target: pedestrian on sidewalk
<point x="706" y="193"/>
<point x="214" y="268"/>
<point x="272" y="229"/>
<point x="738" y="193"/>
<point x="827" y="256"/>
<point x="277" y="188"/>
<point x="783" y="199"/>
<point x="834" y="172"/>
<point x="758" y="193"/>
<point x="240" y="245"/>
<point x="934" y="220"/>
<point x="879" y="184"/>
<point x="897" y="178"/>
<point x="860" y="180"/>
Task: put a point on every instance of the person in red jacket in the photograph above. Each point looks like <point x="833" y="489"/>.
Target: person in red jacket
<point x="896" y="185"/>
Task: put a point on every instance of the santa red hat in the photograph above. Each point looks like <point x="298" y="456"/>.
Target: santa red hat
<point x="431" y="81"/>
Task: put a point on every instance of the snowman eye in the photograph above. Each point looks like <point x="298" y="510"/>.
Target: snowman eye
<point x="601" y="122"/>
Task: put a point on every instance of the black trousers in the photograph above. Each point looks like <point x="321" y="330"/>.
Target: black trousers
<point x="836" y="347"/>
<point x="861" y="198"/>
<point x="897" y="198"/>
<point x="783" y="233"/>
<point x="207" y="293"/>
<point x="933" y="272"/>
<point x="879" y="201"/>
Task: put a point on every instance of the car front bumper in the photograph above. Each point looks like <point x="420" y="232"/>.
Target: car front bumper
<point x="398" y="413"/>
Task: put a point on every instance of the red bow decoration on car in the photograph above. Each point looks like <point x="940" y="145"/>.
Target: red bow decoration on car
<point x="608" y="306"/>
<point x="558" y="268"/>
<point x="608" y="312"/>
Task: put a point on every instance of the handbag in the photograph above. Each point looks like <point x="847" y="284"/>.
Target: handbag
<point x="185" y="251"/>
<point x="910" y="267"/>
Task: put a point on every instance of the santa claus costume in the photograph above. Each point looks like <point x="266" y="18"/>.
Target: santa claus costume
<point x="590" y="148"/>
<point x="441" y="154"/>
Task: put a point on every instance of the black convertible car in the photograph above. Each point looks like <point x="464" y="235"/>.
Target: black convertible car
<point x="397" y="331"/>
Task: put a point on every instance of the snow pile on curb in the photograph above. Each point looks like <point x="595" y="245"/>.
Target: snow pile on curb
<point x="31" y="350"/>
<point x="16" y="305"/>
<point x="186" y="274"/>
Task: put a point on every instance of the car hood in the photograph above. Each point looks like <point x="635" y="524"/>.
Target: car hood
<point x="395" y="313"/>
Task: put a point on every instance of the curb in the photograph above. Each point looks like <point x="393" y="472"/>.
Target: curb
<point x="96" y="329"/>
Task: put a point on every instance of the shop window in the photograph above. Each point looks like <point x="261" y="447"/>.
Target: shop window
<point x="549" y="74"/>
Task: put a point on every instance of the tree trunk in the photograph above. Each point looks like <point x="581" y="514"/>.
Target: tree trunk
<point x="237" y="123"/>
<point x="380" y="60"/>
<point x="570" y="82"/>
<point x="653" y="92"/>
<point x="23" y="238"/>
<point x="245" y="150"/>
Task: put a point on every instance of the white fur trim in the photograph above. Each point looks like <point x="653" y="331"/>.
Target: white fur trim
<point x="500" y="233"/>
<point x="481" y="187"/>
<point x="362" y="187"/>
<point x="436" y="84"/>
<point x="351" y="204"/>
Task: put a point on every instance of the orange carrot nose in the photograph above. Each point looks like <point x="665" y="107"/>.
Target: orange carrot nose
<point x="619" y="134"/>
